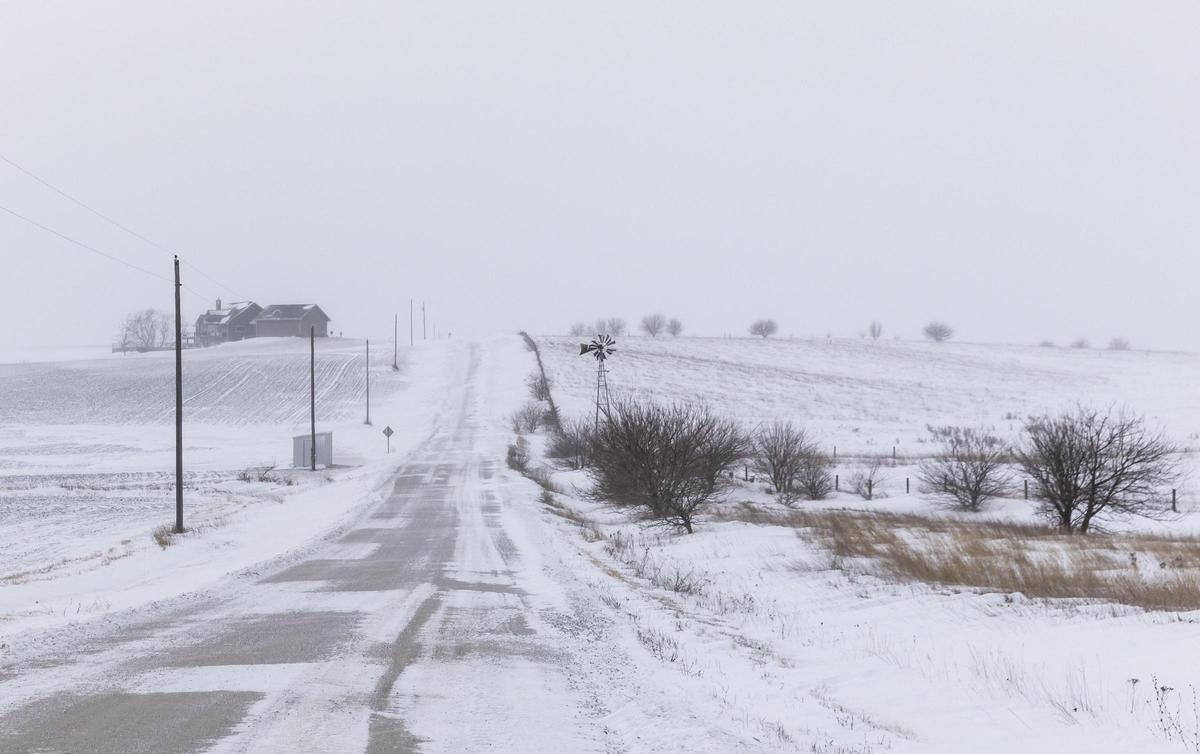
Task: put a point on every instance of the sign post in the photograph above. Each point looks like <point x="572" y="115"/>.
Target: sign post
<point x="387" y="432"/>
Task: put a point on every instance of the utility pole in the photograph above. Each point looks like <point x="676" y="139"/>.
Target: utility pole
<point x="368" y="421"/>
<point x="424" y="331"/>
<point x="178" y="406"/>
<point x="396" y="343"/>
<point x="312" y="393"/>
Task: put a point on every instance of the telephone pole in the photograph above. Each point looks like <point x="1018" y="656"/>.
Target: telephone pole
<point x="312" y="394"/>
<point x="178" y="406"/>
<point x="368" y="421"/>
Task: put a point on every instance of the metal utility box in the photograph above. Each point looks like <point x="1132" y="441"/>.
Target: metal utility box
<point x="302" y="450"/>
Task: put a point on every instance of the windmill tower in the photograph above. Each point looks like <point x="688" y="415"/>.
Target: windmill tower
<point x="601" y="347"/>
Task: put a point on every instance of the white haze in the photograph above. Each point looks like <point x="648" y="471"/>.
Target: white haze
<point x="1023" y="170"/>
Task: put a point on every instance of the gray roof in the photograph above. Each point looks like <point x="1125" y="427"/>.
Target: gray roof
<point x="223" y="315"/>
<point x="288" y="312"/>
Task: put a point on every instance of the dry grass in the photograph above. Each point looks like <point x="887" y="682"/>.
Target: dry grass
<point x="1148" y="571"/>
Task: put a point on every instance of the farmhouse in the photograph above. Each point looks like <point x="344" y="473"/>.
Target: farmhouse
<point x="283" y="320"/>
<point x="226" y="323"/>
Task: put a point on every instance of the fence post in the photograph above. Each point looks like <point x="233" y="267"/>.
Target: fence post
<point x="893" y="452"/>
<point x="837" y="483"/>
<point x="905" y="485"/>
<point x="870" y="489"/>
<point x="1173" y="508"/>
<point x="1026" y="489"/>
<point x="835" y="452"/>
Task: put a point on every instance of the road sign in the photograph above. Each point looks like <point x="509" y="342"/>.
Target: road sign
<point x="387" y="432"/>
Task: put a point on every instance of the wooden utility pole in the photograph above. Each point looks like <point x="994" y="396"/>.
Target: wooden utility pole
<point x="178" y="407"/>
<point x="368" y="421"/>
<point x="312" y="393"/>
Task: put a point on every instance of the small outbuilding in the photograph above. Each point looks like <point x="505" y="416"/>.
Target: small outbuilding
<point x="291" y="320"/>
<point x="302" y="450"/>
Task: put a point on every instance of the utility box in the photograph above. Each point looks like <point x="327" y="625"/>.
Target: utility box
<point x="302" y="450"/>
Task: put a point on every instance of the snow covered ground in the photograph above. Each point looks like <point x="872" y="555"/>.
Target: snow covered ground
<point x="812" y="654"/>
<point x="87" y="465"/>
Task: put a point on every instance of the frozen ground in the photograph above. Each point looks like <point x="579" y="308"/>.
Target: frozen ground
<point x="818" y="656"/>
<point x="87" y="465"/>
<point x="435" y="600"/>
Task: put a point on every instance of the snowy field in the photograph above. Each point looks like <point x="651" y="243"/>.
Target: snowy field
<point x="808" y="645"/>
<point x="87" y="464"/>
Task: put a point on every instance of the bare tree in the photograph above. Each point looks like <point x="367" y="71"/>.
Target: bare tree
<point x="1047" y="344"/>
<point x="539" y="386"/>
<point x="1119" y="344"/>
<point x="666" y="461"/>
<point x="1087" y="464"/>
<point x="866" y="479"/>
<point x="1080" y="343"/>
<point x="125" y="333"/>
<point x="875" y="330"/>
<point x="971" y="468"/>
<point x="528" y="418"/>
<point x="571" y="443"/>
<point x="578" y="330"/>
<point x="147" y="329"/>
<point x="764" y="328"/>
<point x="938" y="332"/>
<point x="614" y="326"/>
<point x="779" y="449"/>
<point x="815" y="479"/>
<point x="653" y="324"/>
<point x="675" y="327"/>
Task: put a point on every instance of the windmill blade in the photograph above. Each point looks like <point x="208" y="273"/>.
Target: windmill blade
<point x="584" y="348"/>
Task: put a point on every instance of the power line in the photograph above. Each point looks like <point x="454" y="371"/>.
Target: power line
<point x="119" y="225"/>
<point x="94" y="250"/>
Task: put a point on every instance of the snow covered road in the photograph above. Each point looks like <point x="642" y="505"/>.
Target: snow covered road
<point x="448" y="617"/>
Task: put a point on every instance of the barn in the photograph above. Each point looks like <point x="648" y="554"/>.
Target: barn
<point x="227" y="323"/>
<point x="291" y="320"/>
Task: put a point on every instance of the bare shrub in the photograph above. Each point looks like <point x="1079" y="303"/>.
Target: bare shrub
<point x="815" y="479"/>
<point x="518" y="455"/>
<point x="875" y="330"/>
<point x="1080" y="343"/>
<point x="539" y="386"/>
<point x="938" y="332"/>
<point x="675" y="327"/>
<point x="164" y="536"/>
<point x="666" y="461"/>
<point x="764" y="328"/>
<point x="970" y="469"/>
<point x="1087" y="464"/>
<point x="528" y="418"/>
<point x="653" y="324"/>
<point x="1047" y="344"/>
<point x="578" y="330"/>
<point x="777" y="449"/>
<point x="572" y="443"/>
<point x="1119" y="344"/>
<point x="865" y="479"/>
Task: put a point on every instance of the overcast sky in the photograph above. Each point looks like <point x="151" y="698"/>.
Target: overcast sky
<point x="1022" y="170"/>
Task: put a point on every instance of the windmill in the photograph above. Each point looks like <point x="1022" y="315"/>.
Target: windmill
<point x="601" y="347"/>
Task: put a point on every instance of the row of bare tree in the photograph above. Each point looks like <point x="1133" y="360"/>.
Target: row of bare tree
<point x="1085" y="464"/>
<point x="668" y="461"/>
<point x="145" y="330"/>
